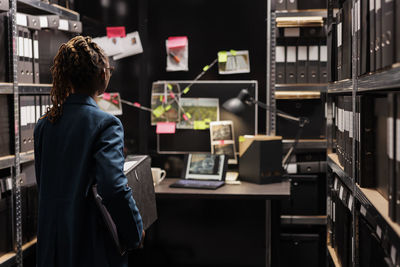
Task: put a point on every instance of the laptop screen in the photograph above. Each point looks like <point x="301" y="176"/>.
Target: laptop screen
<point x="205" y="167"/>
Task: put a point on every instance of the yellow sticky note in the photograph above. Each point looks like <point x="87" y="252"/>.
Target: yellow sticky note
<point x="169" y="86"/>
<point x="200" y="125"/>
<point x="158" y="111"/>
<point x="168" y="107"/>
<point x="241" y="139"/>
<point x="188" y="115"/>
<point x="206" y="68"/>
<point x="222" y="56"/>
<point x="161" y="98"/>
<point x="186" y="90"/>
<point x="233" y="52"/>
<point x="207" y="120"/>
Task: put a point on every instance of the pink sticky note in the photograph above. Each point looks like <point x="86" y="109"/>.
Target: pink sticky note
<point x="115" y="101"/>
<point x="165" y="127"/>
<point x="185" y="117"/>
<point x="115" y="32"/>
<point x="163" y="99"/>
<point x="221" y="142"/>
<point x="171" y="95"/>
<point x="177" y="42"/>
<point x="136" y="104"/>
<point x="106" y="96"/>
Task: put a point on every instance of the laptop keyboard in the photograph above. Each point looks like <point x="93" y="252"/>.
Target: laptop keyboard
<point x="197" y="184"/>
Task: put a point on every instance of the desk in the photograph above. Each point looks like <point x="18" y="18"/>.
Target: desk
<point x="195" y="223"/>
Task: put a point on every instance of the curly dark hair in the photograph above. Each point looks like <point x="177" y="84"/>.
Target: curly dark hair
<point x="75" y="68"/>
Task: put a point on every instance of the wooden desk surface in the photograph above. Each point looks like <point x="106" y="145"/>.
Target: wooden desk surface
<point x="244" y="190"/>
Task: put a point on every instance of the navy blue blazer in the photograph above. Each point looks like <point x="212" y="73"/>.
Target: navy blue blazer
<point x="85" y="146"/>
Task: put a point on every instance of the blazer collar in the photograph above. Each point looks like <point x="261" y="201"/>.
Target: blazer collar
<point x="81" y="99"/>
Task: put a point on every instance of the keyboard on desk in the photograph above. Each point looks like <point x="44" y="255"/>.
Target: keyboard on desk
<point x="197" y="184"/>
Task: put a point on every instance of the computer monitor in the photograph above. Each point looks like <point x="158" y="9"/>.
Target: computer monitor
<point x="191" y="141"/>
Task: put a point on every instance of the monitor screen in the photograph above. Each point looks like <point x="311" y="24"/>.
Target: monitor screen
<point x="191" y="140"/>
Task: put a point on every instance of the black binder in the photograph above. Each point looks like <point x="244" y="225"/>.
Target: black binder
<point x="357" y="11"/>
<point x="364" y="56"/>
<point x="38" y="110"/>
<point x="388" y="37"/>
<point x="291" y="4"/>
<point x="339" y="31"/>
<point x="313" y="62"/>
<point x="302" y="64"/>
<point x="371" y="29"/>
<point x="291" y="64"/>
<point x="378" y="34"/>
<point x="332" y="52"/>
<point x="23" y="107"/>
<point x="366" y="149"/>
<point x="280" y="4"/>
<point x="35" y="49"/>
<point x="28" y="56"/>
<point x="21" y="56"/>
<point x="391" y="144"/>
<point x="280" y="64"/>
<point x="397" y="31"/>
<point x="4" y="59"/>
<point x="323" y="62"/>
<point x="5" y="128"/>
<point x="397" y="158"/>
<point x="347" y="24"/>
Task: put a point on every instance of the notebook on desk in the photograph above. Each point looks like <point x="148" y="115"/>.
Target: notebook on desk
<point x="203" y="171"/>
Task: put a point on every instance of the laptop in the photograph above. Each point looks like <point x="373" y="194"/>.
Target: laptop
<point x="203" y="171"/>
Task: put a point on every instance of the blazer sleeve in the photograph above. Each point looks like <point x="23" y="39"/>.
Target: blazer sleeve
<point x="112" y="183"/>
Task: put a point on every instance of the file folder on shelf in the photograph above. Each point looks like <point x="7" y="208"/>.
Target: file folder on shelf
<point x="364" y="54"/>
<point x="397" y="160"/>
<point x="4" y="5"/>
<point x="4" y="62"/>
<point x="371" y="29"/>
<point x="291" y="65"/>
<point x="339" y="45"/>
<point x="302" y="64"/>
<point x="378" y="34"/>
<point x="346" y="38"/>
<point x="280" y="64"/>
<point x="397" y="30"/>
<point x="390" y="152"/>
<point x="323" y="62"/>
<point x="28" y="56"/>
<point x="388" y="37"/>
<point x="313" y="62"/>
<point x="35" y="49"/>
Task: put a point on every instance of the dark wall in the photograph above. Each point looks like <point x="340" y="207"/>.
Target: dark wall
<point x="211" y="26"/>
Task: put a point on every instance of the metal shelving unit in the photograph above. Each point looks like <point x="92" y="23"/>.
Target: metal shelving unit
<point x="382" y="80"/>
<point x="345" y="86"/>
<point x="318" y="144"/>
<point x="303" y="220"/>
<point x="368" y="201"/>
<point x="35" y="7"/>
<point x="14" y="89"/>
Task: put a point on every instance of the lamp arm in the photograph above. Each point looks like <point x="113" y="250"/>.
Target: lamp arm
<point x="301" y="120"/>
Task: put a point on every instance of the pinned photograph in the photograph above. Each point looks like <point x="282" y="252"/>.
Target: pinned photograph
<point x="221" y="131"/>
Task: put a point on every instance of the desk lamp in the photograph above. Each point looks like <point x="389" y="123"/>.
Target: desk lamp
<point x="238" y="104"/>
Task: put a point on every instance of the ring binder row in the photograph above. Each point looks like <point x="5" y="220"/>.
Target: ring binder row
<point x="29" y="44"/>
<point x="377" y="142"/>
<point x="32" y="107"/>
<point x="301" y="64"/>
<point x="377" y="33"/>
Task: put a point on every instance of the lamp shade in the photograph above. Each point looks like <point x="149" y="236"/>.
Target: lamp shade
<point x="234" y="105"/>
<point x="238" y="104"/>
